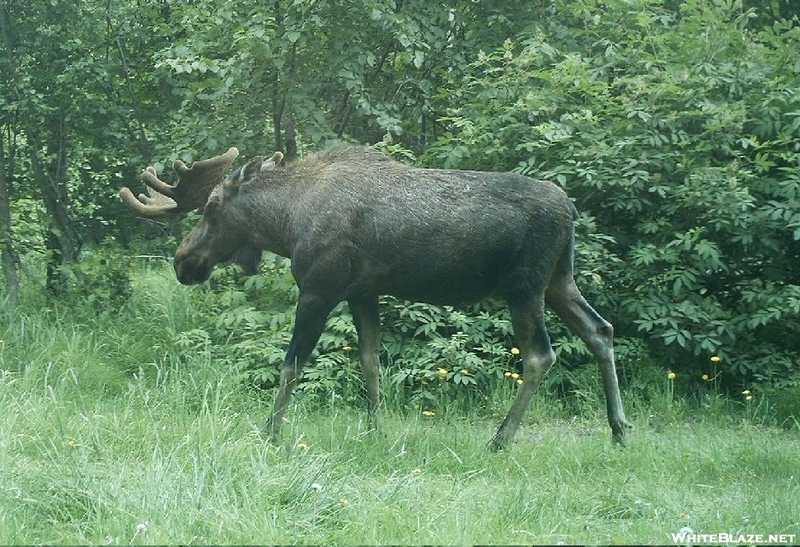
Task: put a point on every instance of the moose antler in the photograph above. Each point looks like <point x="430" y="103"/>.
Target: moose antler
<point x="194" y="185"/>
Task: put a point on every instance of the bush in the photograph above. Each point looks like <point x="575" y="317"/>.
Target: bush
<point x="682" y="154"/>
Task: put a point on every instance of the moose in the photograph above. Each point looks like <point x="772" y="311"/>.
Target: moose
<point x="357" y="224"/>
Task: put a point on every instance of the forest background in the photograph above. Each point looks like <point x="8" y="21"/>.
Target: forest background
<point x="674" y="125"/>
<point x="132" y="407"/>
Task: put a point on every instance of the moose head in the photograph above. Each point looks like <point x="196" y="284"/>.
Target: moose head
<point x="202" y="187"/>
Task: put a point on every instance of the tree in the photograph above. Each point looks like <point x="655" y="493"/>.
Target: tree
<point x="266" y="76"/>
<point x="76" y="117"/>
<point x="33" y="63"/>
<point x="8" y="253"/>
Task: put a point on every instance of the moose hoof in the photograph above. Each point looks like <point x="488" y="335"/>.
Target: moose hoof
<point x="497" y="444"/>
<point x="618" y="432"/>
<point x="270" y="436"/>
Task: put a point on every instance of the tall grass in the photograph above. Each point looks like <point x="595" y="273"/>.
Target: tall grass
<point x="109" y="434"/>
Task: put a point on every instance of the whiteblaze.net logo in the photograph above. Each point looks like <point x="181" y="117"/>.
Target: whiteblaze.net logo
<point x="689" y="537"/>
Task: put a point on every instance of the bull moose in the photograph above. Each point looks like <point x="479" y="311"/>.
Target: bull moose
<point x="357" y="224"/>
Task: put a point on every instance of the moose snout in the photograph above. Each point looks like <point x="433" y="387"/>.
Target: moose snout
<point x="191" y="270"/>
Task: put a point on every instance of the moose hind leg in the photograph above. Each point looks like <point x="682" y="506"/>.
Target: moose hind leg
<point x="366" y="317"/>
<point x="566" y="300"/>
<point x="537" y="357"/>
<point x="312" y="312"/>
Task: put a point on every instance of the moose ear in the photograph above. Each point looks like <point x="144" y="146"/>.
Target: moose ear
<point x="273" y="162"/>
<point x="251" y="169"/>
<point x="245" y="174"/>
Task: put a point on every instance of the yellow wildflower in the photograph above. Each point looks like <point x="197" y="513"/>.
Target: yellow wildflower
<point x="416" y="471"/>
<point x="705" y="377"/>
<point x="748" y="398"/>
<point x="716" y="359"/>
<point x="344" y="501"/>
<point x="519" y="382"/>
<point x="443" y="372"/>
<point x="507" y="374"/>
<point x="428" y="413"/>
<point x="465" y="372"/>
<point x="514" y="375"/>
<point x="347" y="348"/>
<point x="746" y="392"/>
<point x="71" y="443"/>
<point x="514" y="351"/>
<point x="302" y="446"/>
<point x="671" y="375"/>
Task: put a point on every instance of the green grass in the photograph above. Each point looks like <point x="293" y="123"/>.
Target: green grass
<point x="108" y="435"/>
<point x="181" y="460"/>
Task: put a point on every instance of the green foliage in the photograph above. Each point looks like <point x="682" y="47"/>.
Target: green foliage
<point x="128" y="428"/>
<point x="682" y="150"/>
<point x="246" y="327"/>
<point x="125" y="409"/>
<point x="439" y="356"/>
<point x="676" y="133"/>
<point x="107" y="279"/>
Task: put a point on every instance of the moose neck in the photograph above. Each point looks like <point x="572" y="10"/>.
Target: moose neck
<point x="266" y="215"/>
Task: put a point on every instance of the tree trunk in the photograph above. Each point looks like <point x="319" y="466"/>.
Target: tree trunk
<point x="44" y="137"/>
<point x="277" y="117"/>
<point x="290" y="138"/>
<point x="62" y="240"/>
<point x="8" y="254"/>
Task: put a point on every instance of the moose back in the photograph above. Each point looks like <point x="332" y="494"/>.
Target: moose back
<point x="357" y="224"/>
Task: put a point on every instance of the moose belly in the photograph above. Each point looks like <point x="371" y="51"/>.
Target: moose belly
<point x="437" y="280"/>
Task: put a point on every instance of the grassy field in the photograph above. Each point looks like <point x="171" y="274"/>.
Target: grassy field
<point x="183" y="462"/>
<point x="106" y="437"/>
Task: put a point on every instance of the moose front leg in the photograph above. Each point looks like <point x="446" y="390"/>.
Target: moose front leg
<point x="366" y="317"/>
<point x="312" y="311"/>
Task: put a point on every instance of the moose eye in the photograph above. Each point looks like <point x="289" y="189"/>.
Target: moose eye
<point x="211" y="205"/>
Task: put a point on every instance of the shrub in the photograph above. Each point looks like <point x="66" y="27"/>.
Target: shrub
<point x="682" y="154"/>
